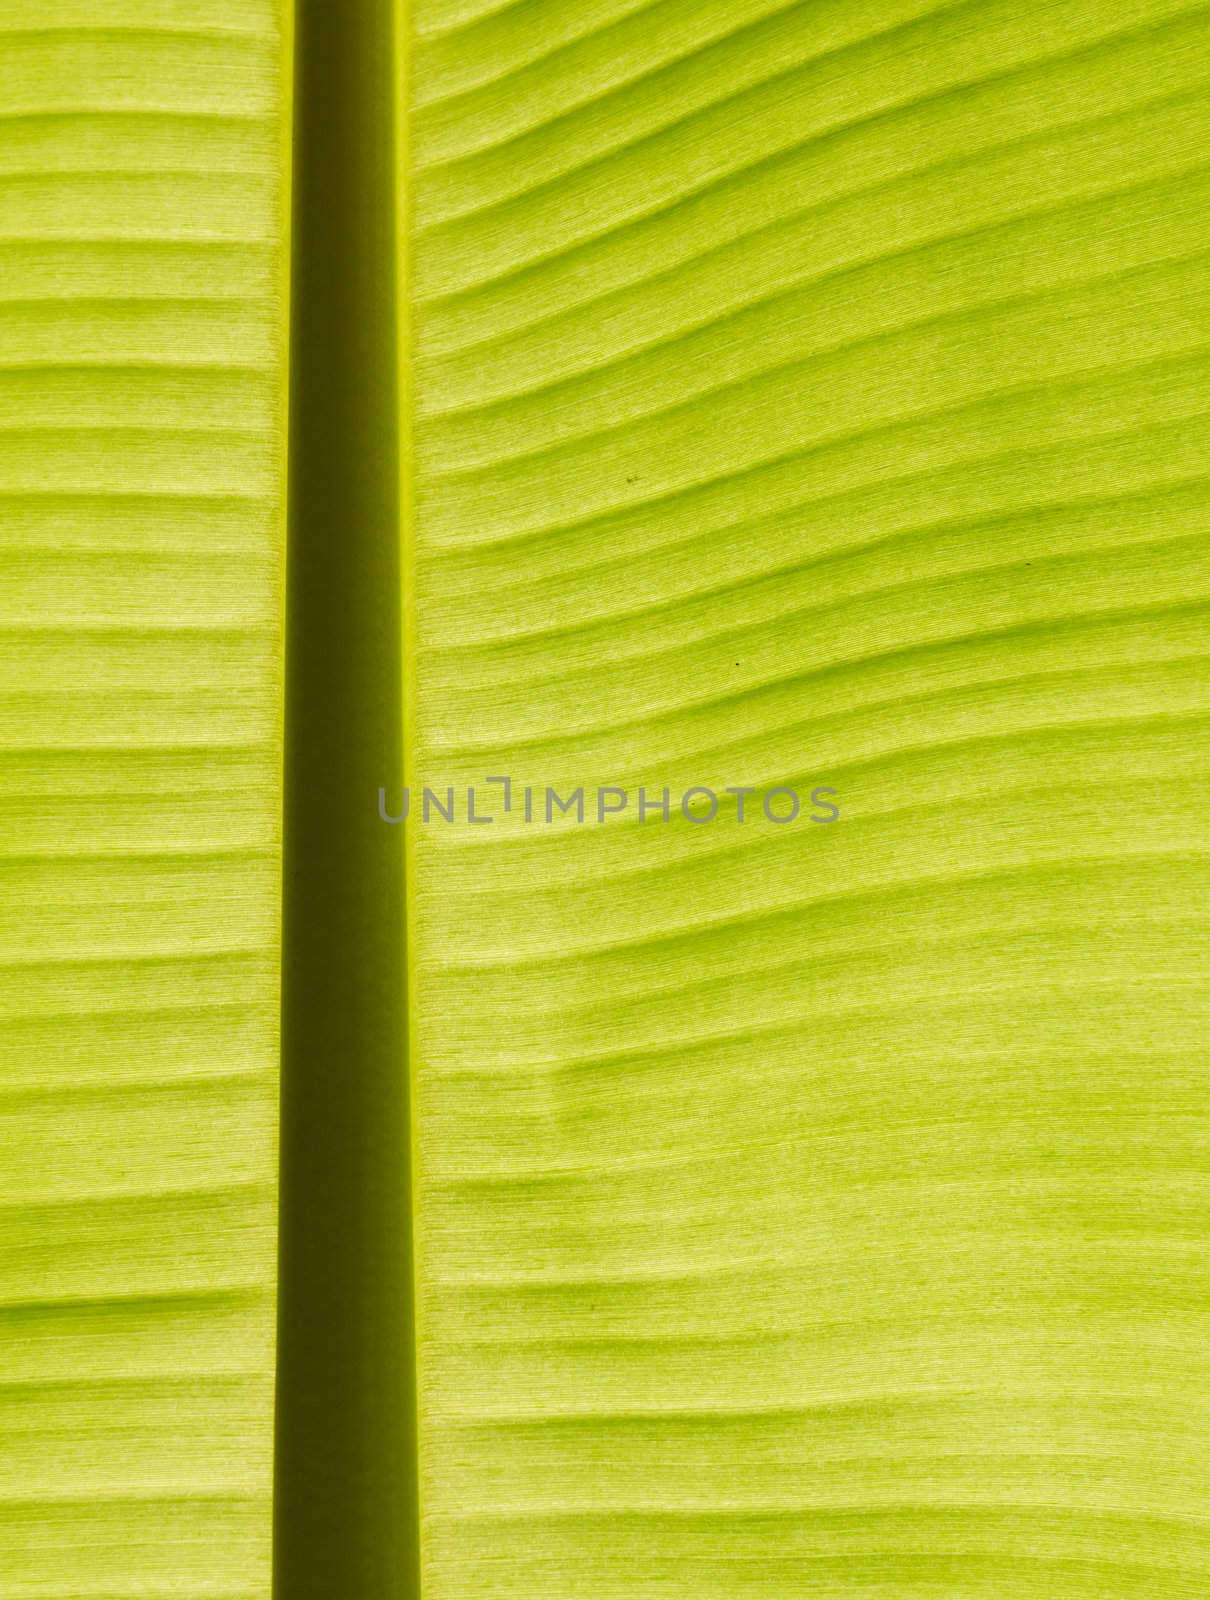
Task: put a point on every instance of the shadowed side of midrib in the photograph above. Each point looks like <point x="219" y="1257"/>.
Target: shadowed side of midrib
<point x="345" y="1513"/>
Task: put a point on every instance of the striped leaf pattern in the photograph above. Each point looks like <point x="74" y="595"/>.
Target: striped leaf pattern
<point x="811" y="394"/>
<point x="142" y="358"/>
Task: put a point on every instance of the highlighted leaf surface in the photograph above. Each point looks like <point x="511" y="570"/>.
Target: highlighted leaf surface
<point x="813" y="394"/>
<point x="142" y="344"/>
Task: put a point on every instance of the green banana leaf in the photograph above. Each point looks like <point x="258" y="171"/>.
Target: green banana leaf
<point x="688" y="401"/>
<point x="143" y="338"/>
<point x="813" y="394"/>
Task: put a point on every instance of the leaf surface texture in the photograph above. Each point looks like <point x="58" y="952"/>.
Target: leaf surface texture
<point x="812" y="394"/>
<point x="142" y="427"/>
